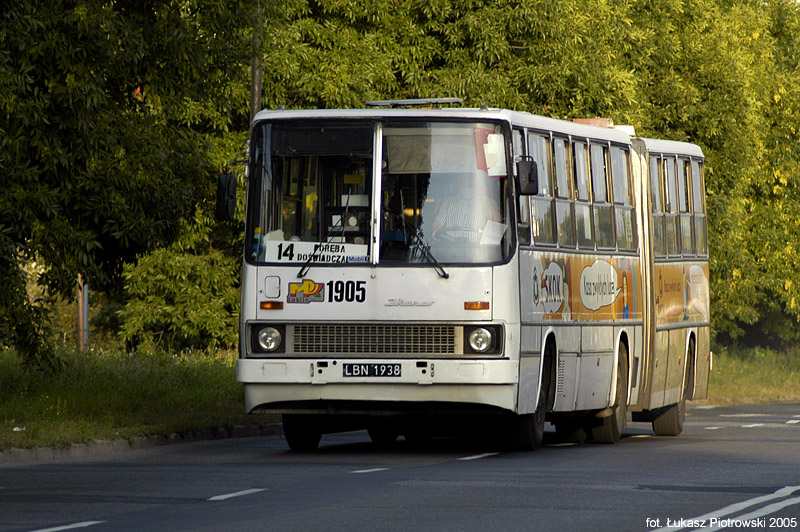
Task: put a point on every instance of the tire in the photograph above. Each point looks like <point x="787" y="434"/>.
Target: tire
<point x="610" y="430"/>
<point x="570" y="432"/>
<point x="302" y="433"/>
<point x="526" y="431"/>
<point x="382" y="432"/>
<point x="670" y="423"/>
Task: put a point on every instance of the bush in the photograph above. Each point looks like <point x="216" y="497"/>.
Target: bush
<point x="179" y="300"/>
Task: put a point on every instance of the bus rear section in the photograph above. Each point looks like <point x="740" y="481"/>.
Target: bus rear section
<point x="677" y="311"/>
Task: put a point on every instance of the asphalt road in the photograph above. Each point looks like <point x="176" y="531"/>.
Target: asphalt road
<point x="733" y="468"/>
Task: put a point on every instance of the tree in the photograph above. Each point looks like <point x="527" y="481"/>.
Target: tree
<point x="106" y="110"/>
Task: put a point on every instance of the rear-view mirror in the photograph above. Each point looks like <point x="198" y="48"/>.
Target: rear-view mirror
<point x="528" y="177"/>
<point x="226" y="197"/>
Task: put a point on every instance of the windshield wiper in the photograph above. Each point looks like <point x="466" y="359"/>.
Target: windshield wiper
<point x="307" y="264"/>
<point x="425" y="248"/>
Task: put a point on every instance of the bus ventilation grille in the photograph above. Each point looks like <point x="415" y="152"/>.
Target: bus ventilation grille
<point x="375" y="339"/>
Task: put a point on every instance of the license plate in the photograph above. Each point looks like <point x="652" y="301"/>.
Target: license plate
<point x="371" y="370"/>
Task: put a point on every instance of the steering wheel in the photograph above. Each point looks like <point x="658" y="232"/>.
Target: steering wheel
<point x="447" y="234"/>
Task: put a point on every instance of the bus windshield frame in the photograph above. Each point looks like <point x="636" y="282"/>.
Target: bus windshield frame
<point x="442" y="194"/>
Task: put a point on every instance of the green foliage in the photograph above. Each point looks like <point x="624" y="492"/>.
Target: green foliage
<point x="554" y="58"/>
<point x="179" y="300"/>
<point x="116" y="114"/>
<point x="105" y="107"/>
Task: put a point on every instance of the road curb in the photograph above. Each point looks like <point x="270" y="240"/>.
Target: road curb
<point x="105" y="447"/>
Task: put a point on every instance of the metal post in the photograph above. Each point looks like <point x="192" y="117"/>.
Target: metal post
<point x="255" y="62"/>
<point x="83" y="314"/>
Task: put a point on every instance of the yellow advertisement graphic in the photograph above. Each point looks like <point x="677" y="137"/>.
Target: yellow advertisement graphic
<point x="586" y="288"/>
<point x="681" y="292"/>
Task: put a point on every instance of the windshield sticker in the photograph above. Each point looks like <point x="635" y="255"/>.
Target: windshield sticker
<point x="315" y="252"/>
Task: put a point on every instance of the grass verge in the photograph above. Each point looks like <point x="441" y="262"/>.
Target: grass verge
<point x="754" y="375"/>
<point x="111" y="395"/>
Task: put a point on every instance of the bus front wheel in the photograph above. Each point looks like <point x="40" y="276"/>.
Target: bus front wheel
<point x="527" y="430"/>
<point x="383" y="431"/>
<point x="302" y="432"/>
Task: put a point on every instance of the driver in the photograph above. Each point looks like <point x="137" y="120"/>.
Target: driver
<point x="464" y="216"/>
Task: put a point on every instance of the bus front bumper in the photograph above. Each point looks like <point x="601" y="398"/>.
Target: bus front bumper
<point x="278" y="384"/>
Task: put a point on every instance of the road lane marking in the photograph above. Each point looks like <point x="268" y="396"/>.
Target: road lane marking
<point x="374" y="470"/>
<point x="739" y="506"/>
<point x="752" y="425"/>
<point x="477" y="456"/>
<point x="713" y="428"/>
<point x="793" y="421"/>
<point x="752" y="516"/>
<point x="746" y="415"/>
<point x="82" y="524"/>
<point x="235" y="494"/>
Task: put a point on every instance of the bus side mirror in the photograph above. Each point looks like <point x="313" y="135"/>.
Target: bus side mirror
<point x="226" y="197"/>
<point x="528" y="177"/>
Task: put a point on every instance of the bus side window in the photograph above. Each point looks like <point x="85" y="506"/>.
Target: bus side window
<point x="543" y="212"/>
<point x="699" y="208"/>
<point x="671" y="207"/>
<point x="656" y="199"/>
<point x="601" y="207"/>
<point x="583" y="206"/>
<point x="623" y="203"/>
<point x="524" y="216"/>
<point x="565" y="220"/>
<point x="684" y="191"/>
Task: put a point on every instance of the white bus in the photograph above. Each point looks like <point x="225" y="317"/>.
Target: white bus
<point x="413" y="269"/>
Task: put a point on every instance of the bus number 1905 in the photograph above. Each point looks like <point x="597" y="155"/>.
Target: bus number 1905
<point x="349" y="291"/>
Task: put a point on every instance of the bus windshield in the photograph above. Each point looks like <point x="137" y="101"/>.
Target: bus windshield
<point x="441" y="189"/>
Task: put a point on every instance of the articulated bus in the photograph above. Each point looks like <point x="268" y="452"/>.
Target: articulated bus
<point x="413" y="269"/>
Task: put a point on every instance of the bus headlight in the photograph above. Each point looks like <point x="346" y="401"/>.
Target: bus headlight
<point x="269" y="339"/>
<point x="480" y="340"/>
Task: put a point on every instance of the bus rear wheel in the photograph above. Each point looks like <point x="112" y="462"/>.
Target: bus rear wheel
<point x="670" y="423"/>
<point x="302" y="432"/>
<point x="610" y="430"/>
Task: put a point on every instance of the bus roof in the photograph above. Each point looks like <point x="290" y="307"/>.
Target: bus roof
<point x="515" y="118"/>
<point x="672" y="147"/>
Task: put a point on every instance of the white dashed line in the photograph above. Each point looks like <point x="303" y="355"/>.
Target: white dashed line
<point x="236" y="494"/>
<point x="718" y="515"/>
<point x="477" y="456"/>
<point x="375" y="470"/>
<point x="752" y="425"/>
<point x="82" y="524"/>
<point x="752" y="517"/>
<point x="745" y="415"/>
